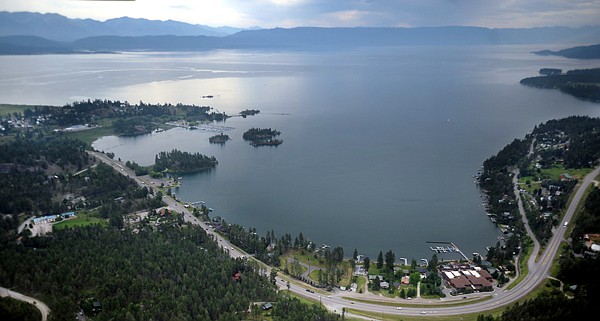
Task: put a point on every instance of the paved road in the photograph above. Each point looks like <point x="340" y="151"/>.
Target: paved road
<point x="538" y="269"/>
<point x="4" y="292"/>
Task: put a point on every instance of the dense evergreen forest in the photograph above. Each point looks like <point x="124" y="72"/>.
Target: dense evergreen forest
<point x="177" y="274"/>
<point x="583" y="84"/>
<point x="177" y="161"/>
<point x="14" y="310"/>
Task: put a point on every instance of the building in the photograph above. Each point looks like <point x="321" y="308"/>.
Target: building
<point x="467" y="278"/>
<point x="267" y="306"/>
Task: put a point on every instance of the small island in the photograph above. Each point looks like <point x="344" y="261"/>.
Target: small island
<point x="262" y="137"/>
<point x="219" y="139"/>
<point x="249" y="112"/>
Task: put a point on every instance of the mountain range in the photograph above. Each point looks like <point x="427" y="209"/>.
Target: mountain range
<point x="60" y="28"/>
<point x="34" y="33"/>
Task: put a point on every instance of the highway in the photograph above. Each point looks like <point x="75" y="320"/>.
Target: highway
<point x="538" y="268"/>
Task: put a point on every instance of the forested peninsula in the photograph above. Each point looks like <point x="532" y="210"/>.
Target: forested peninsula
<point x="579" y="52"/>
<point x="548" y="164"/>
<point x="583" y="84"/>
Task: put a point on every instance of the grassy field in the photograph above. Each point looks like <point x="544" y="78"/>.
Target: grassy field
<point x="552" y="173"/>
<point x="6" y="109"/>
<point x="82" y="219"/>
<point x="88" y="136"/>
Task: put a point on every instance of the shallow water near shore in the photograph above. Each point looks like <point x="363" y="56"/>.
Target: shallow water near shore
<point x="380" y="145"/>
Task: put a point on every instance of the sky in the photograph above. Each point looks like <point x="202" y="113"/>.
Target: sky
<point x="330" y="13"/>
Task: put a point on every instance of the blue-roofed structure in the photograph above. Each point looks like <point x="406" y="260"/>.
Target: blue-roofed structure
<point x="52" y="218"/>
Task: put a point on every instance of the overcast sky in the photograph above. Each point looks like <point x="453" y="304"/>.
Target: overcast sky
<point x="331" y="13"/>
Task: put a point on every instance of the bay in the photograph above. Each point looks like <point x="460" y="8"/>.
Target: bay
<point x="380" y="145"/>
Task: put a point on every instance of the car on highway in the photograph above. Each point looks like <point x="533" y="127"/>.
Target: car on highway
<point x="399" y="308"/>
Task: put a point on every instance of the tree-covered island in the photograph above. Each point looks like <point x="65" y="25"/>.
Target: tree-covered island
<point x="262" y="137"/>
<point x="219" y="139"/>
<point x="583" y="84"/>
<point x="249" y="112"/>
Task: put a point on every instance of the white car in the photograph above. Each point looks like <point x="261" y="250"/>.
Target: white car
<point x="399" y="308"/>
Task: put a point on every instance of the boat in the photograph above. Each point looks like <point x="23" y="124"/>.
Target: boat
<point x="208" y="96"/>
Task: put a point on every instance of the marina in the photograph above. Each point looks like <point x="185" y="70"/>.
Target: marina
<point x="448" y="247"/>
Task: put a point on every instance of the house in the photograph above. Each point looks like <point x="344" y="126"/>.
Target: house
<point x="267" y="306"/>
<point x="68" y="214"/>
<point x="163" y="211"/>
<point x="237" y="276"/>
<point x="373" y="277"/>
<point x="565" y="177"/>
<point x="384" y="285"/>
<point x="405" y="280"/>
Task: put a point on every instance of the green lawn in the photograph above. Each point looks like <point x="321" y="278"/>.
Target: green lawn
<point x="80" y="220"/>
<point x="552" y="173"/>
<point x="6" y="109"/>
<point x="88" y="136"/>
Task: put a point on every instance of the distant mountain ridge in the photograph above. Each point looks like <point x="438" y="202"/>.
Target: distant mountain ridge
<point x="56" y="27"/>
<point x="145" y="35"/>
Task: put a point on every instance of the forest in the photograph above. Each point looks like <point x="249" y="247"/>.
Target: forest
<point x="262" y="137"/>
<point x="112" y="272"/>
<point x="177" y="274"/>
<point x="583" y="84"/>
<point x="177" y="161"/>
<point x="571" y="142"/>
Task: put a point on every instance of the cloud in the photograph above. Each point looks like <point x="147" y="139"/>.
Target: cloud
<point x="292" y="13"/>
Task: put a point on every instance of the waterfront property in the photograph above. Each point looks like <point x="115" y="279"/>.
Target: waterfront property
<point x="466" y="277"/>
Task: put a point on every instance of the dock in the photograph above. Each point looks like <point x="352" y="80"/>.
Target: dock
<point x="448" y="247"/>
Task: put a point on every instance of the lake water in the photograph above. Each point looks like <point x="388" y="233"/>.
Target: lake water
<point x="380" y="145"/>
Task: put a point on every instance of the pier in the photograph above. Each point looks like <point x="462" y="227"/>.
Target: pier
<point x="448" y="247"/>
